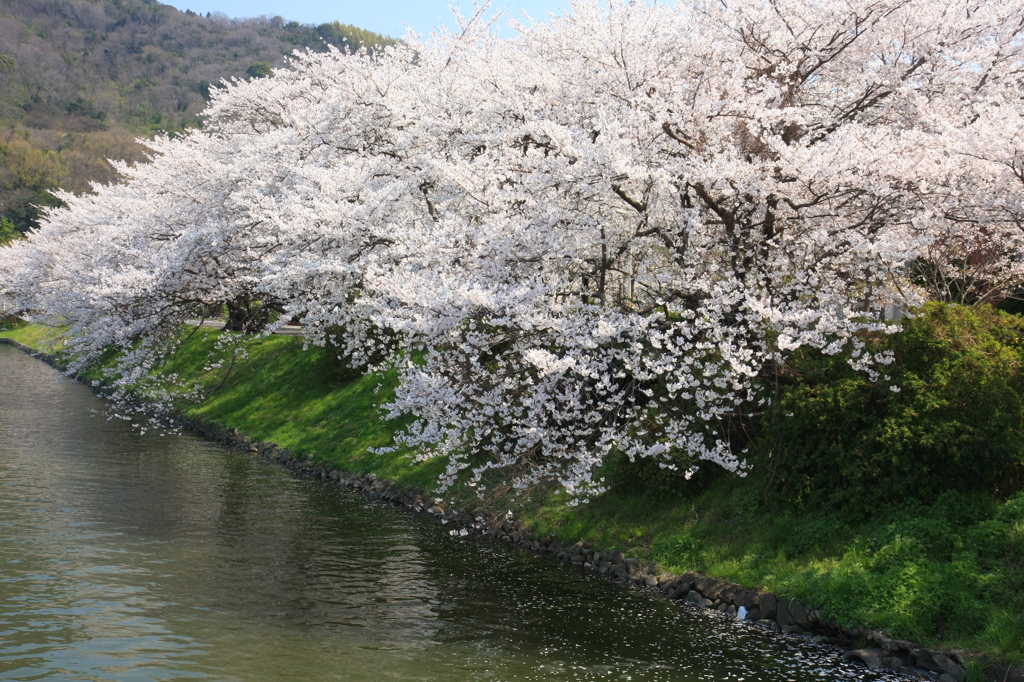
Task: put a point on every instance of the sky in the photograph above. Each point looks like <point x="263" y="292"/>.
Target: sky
<point x="388" y="17"/>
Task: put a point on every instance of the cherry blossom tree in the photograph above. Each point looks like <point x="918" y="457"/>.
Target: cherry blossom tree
<point x="605" y="233"/>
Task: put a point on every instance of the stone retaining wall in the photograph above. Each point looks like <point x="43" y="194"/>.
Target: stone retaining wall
<point x="772" y="611"/>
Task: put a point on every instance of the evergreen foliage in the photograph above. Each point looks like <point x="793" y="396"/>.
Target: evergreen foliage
<point x="258" y="70"/>
<point x="950" y="417"/>
<point x="8" y="233"/>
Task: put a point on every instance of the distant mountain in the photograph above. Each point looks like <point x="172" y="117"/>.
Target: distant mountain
<point x="81" y="79"/>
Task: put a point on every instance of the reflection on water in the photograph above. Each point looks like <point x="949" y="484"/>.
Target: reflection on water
<point x="141" y="557"/>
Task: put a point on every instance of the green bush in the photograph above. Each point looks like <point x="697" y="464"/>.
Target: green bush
<point x="842" y="442"/>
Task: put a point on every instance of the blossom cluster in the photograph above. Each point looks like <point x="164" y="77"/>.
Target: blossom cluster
<point x="604" y="233"/>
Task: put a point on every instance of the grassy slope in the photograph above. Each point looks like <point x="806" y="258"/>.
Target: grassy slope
<point x="938" y="574"/>
<point x="947" y="574"/>
<point x="303" y="401"/>
<point x="30" y="335"/>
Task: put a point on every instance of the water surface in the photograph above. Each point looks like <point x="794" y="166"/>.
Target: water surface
<point x="127" y="556"/>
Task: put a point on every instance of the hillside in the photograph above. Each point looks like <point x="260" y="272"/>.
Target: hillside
<point x="80" y="80"/>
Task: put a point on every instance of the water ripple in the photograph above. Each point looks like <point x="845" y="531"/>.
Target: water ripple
<point x="131" y="557"/>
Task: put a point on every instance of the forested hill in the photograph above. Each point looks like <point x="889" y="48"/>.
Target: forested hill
<point x="81" y="79"/>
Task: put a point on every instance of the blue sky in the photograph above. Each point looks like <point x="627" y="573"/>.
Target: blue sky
<point x="383" y="16"/>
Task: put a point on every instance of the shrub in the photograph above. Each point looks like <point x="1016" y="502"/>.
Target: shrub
<point x="840" y="441"/>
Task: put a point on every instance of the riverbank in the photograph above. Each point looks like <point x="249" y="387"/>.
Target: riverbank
<point x="159" y="556"/>
<point x="929" y="574"/>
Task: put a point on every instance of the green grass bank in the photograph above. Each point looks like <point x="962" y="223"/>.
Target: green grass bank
<point x="942" y="568"/>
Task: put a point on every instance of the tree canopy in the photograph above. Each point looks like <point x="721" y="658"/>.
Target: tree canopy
<point x="606" y="233"/>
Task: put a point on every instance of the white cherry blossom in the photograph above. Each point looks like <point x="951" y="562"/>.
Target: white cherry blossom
<point x="605" y="233"/>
